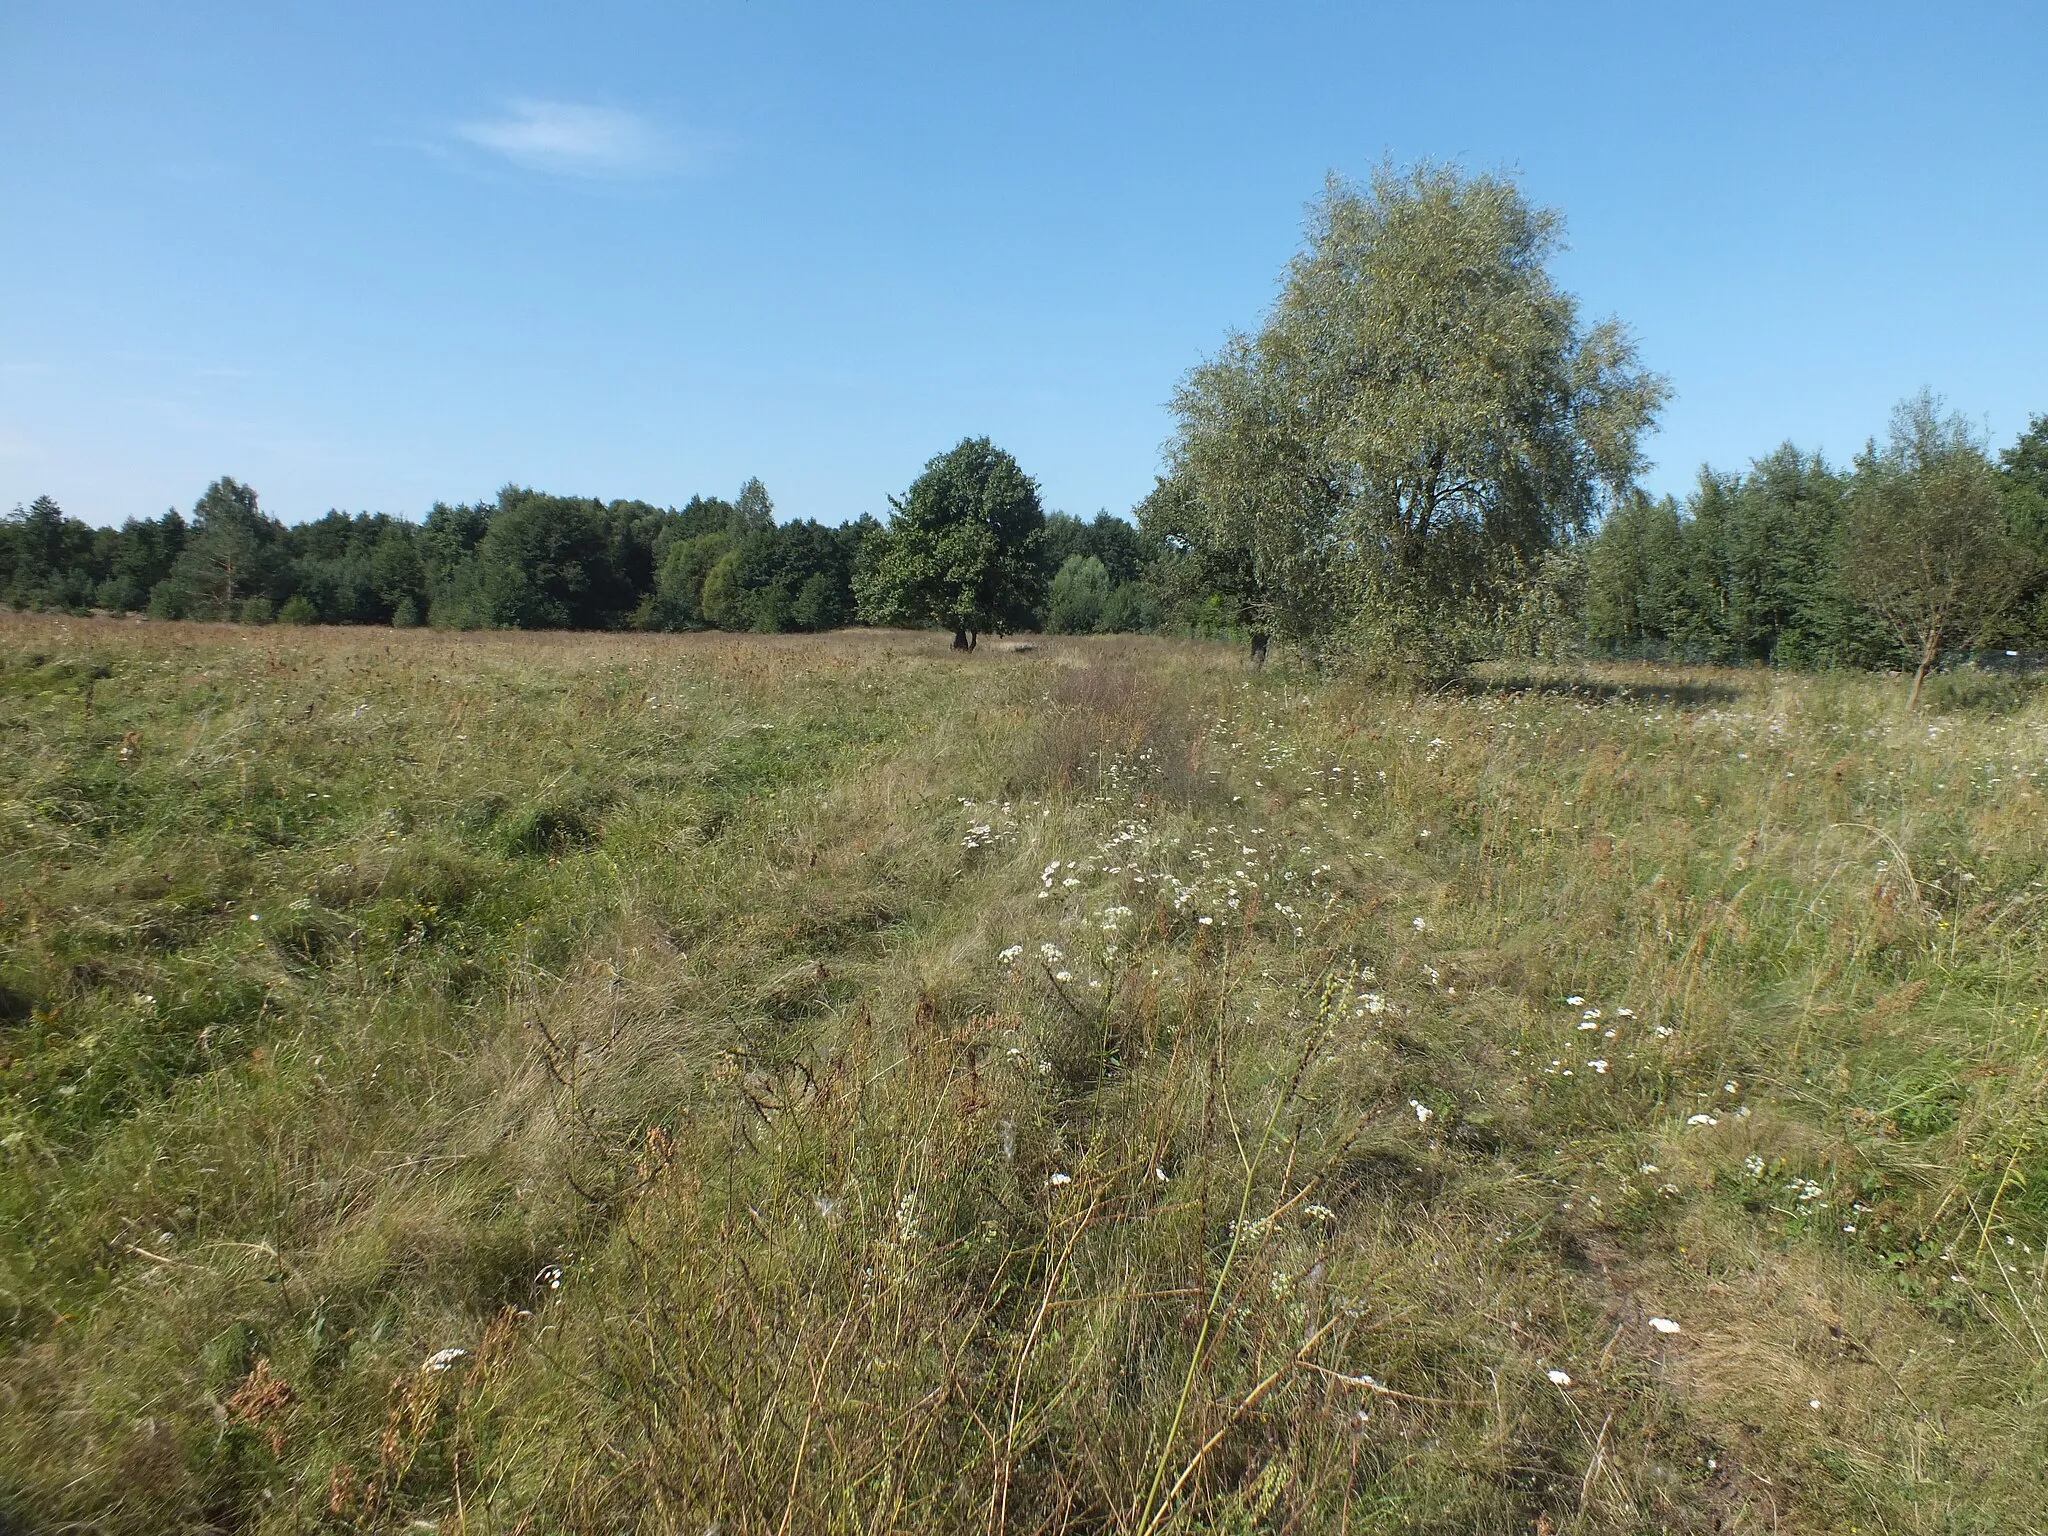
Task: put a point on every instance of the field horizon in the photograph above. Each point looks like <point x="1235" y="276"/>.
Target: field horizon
<point x="534" y="1082"/>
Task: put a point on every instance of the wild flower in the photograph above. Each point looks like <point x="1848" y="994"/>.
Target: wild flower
<point x="1664" y="1325"/>
<point x="1060" y="1178"/>
<point x="1050" y="954"/>
<point x="1422" y="1111"/>
<point x="550" y="1277"/>
<point x="1062" y="975"/>
<point x="1753" y="1165"/>
<point x="1010" y="956"/>
<point x="1575" y="1001"/>
<point x="1598" y="1066"/>
<point x="1701" y="1120"/>
<point x="1419" y="925"/>
<point x="906" y="1217"/>
<point x="441" y="1359"/>
<point x="1558" y="1378"/>
<point x="1318" y="1213"/>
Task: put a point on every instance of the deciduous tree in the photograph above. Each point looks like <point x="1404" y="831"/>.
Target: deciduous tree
<point x="961" y="548"/>
<point x="1927" y="545"/>
<point x="1420" y="419"/>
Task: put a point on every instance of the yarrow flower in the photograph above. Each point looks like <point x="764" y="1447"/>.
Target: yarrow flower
<point x="1060" y="1178"/>
<point x="1558" y="1378"/>
<point x="1010" y="955"/>
<point x="441" y="1359"/>
<point x="1422" y="1111"/>
<point x="1664" y="1325"/>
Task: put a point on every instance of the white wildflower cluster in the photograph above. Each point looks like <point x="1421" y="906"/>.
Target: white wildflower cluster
<point x="989" y="823"/>
<point x="1593" y="1019"/>
<point x="907" y="1226"/>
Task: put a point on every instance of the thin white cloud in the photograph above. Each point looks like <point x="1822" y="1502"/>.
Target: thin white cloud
<point x="570" y="139"/>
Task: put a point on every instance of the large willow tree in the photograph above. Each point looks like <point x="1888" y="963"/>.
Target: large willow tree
<point x="1421" y="419"/>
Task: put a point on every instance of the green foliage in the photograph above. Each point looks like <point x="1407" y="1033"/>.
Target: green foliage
<point x="545" y="563"/>
<point x="1421" y="415"/>
<point x="234" y="554"/>
<point x="2024" y="482"/>
<point x="961" y="549"/>
<point x="679" y="587"/>
<point x="1749" y="568"/>
<point x="1927" y="547"/>
<point x="1079" y="598"/>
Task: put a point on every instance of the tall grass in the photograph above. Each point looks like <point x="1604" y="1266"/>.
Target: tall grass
<point x="542" y="1083"/>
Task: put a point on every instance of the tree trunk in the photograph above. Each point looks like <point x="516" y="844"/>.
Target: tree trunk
<point x="1259" y="649"/>
<point x="1930" y="649"/>
<point x="960" y="640"/>
<point x="973" y="638"/>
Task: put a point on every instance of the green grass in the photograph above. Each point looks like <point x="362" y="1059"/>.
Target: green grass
<point x="837" y="1085"/>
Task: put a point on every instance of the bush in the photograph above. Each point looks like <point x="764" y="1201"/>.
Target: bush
<point x="1133" y="609"/>
<point x="256" y="610"/>
<point x="298" y="609"/>
<point x="1080" y="592"/>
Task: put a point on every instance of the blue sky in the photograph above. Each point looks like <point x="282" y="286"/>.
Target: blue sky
<point x="378" y="255"/>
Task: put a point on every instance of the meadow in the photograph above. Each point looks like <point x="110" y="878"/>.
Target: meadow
<point x="561" y="1083"/>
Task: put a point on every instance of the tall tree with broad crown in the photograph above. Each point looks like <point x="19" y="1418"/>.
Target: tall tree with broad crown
<point x="961" y="548"/>
<point x="1421" y="418"/>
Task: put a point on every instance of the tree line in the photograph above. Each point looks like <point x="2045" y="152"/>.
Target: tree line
<point x="528" y="560"/>
<point x="1424" y="455"/>
<point x="1925" y="542"/>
